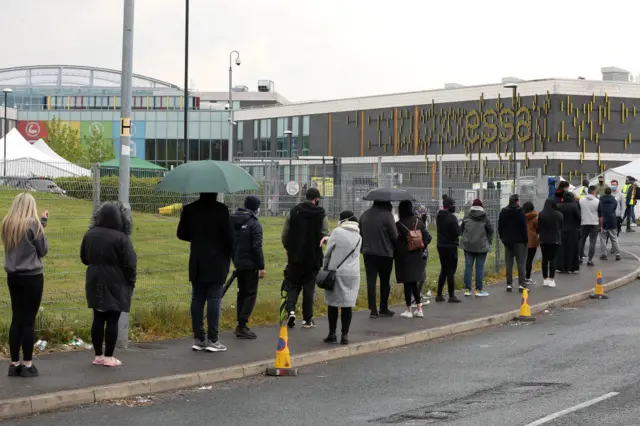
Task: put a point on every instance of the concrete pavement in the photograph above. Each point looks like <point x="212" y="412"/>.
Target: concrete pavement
<point x="509" y="375"/>
<point x="150" y="365"/>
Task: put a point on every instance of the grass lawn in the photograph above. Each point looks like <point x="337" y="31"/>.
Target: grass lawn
<point x="161" y="298"/>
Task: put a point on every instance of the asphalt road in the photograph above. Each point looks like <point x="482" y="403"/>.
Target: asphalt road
<point x="510" y="375"/>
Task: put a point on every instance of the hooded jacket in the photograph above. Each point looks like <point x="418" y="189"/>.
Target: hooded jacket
<point x="247" y="241"/>
<point x="609" y="209"/>
<point x="448" y="229"/>
<point x="512" y="225"/>
<point x="590" y="210"/>
<point x="379" y="232"/>
<point x="110" y="258"/>
<point x="550" y="223"/>
<point x="570" y="214"/>
<point x="304" y="229"/>
<point x="206" y="224"/>
<point x="532" y="228"/>
<point x="477" y="232"/>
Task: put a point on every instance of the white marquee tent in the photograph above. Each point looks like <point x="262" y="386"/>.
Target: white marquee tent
<point x="24" y="159"/>
<point x="620" y="173"/>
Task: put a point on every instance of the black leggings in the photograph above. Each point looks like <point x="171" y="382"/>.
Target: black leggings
<point x="98" y="335"/>
<point x="347" y="313"/>
<point x="26" y="294"/>
<point x="531" y="253"/>
<point x="448" y="266"/>
<point x="549" y="252"/>
<point x="411" y="289"/>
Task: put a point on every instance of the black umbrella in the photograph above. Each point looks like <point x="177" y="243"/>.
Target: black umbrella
<point x="388" y="194"/>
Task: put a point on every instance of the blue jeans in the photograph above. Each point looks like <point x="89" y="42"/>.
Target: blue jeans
<point x="469" y="259"/>
<point x="211" y="294"/>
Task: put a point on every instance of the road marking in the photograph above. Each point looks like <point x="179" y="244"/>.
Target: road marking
<point x="586" y="404"/>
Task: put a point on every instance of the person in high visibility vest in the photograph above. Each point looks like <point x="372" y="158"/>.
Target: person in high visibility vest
<point x="583" y="190"/>
<point x="632" y="198"/>
<point x="625" y="190"/>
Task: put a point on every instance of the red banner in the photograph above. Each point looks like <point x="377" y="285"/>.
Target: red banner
<point x="33" y="130"/>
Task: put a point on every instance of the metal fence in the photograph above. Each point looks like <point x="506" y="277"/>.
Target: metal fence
<point x="72" y="192"/>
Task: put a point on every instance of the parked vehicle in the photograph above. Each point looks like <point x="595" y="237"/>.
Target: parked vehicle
<point x="34" y="184"/>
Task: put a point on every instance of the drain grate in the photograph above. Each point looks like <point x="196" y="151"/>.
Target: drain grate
<point x="483" y="400"/>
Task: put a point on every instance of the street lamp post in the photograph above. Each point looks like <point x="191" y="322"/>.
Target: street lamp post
<point x="5" y="123"/>
<point x="289" y="134"/>
<point x="185" y="104"/>
<point x="514" y="88"/>
<point x="231" y="122"/>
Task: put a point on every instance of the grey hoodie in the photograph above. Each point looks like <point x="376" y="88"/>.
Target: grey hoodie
<point x="477" y="232"/>
<point x="590" y="210"/>
<point x="25" y="258"/>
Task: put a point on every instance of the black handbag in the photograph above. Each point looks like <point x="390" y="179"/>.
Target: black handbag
<point x="326" y="279"/>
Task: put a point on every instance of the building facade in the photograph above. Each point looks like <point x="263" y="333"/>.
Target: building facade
<point x="571" y="128"/>
<point x="88" y="100"/>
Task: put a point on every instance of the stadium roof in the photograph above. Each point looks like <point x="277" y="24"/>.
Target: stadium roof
<point x="73" y="76"/>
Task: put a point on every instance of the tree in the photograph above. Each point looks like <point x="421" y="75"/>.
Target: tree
<point x="97" y="149"/>
<point x="64" y="140"/>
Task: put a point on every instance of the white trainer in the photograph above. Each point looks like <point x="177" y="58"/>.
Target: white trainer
<point x="407" y="314"/>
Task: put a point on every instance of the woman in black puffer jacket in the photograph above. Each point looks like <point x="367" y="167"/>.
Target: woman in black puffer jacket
<point x="111" y="276"/>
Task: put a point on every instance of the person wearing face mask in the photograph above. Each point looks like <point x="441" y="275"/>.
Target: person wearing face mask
<point x="601" y="186"/>
<point x="305" y="231"/>
<point x="448" y="240"/>
<point x="248" y="259"/>
<point x="512" y="229"/>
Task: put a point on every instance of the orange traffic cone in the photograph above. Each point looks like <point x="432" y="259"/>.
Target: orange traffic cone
<point x="598" y="293"/>
<point x="525" y="309"/>
<point x="282" y="366"/>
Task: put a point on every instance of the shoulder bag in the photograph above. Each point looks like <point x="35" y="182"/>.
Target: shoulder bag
<point x="326" y="279"/>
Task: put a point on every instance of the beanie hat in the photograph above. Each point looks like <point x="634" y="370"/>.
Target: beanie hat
<point x="252" y="203"/>
<point x="448" y="202"/>
<point x="477" y="203"/>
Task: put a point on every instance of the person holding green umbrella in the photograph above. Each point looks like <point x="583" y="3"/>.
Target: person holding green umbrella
<point x="206" y="225"/>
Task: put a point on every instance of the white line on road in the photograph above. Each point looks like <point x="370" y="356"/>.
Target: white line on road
<point x="586" y="404"/>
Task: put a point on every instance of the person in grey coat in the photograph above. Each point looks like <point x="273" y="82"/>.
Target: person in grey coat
<point x="477" y="238"/>
<point x="343" y="247"/>
<point x="410" y="265"/>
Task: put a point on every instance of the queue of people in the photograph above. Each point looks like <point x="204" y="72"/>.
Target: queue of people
<point x="218" y="238"/>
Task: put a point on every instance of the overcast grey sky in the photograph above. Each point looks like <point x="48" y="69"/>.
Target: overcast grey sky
<point x="321" y="49"/>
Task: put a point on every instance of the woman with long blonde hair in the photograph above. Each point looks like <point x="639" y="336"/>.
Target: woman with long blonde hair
<point x="25" y="244"/>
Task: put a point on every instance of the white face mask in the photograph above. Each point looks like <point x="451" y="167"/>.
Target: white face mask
<point x="258" y="212"/>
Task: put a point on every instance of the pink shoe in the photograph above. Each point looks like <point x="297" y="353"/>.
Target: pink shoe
<point x="98" y="361"/>
<point x="114" y="362"/>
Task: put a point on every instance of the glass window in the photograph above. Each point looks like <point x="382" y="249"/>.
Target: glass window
<point x="181" y="150"/>
<point x="150" y="149"/>
<point x="151" y="115"/>
<point x="205" y="130"/>
<point x="305" y="125"/>
<point x="205" y="153"/>
<point x="172" y="149"/>
<point x="305" y="145"/>
<point x="240" y="130"/>
<point x="150" y="129"/>
<point x="216" y="130"/>
<point x="172" y="129"/>
<point x="216" y="149"/>
<point x="161" y="115"/>
<point x="161" y="130"/>
<point x="295" y="127"/>
<point x="194" y="149"/>
<point x="194" y="130"/>
<point x="161" y="150"/>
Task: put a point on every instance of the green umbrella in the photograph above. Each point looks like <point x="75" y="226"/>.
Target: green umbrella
<point x="208" y="176"/>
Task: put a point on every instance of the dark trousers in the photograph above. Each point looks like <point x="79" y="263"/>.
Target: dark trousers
<point x="26" y="294"/>
<point x="411" y="289"/>
<point x="104" y="330"/>
<point x="630" y="215"/>
<point x="378" y="266"/>
<point x="299" y="279"/>
<point x="531" y="253"/>
<point x="247" y="295"/>
<point x="517" y="251"/>
<point x="208" y="293"/>
<point x="591" y="232"/>
<point x="549" y="252"/>
<point x="448" y="267"/>
<point x="346" y="316"/>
